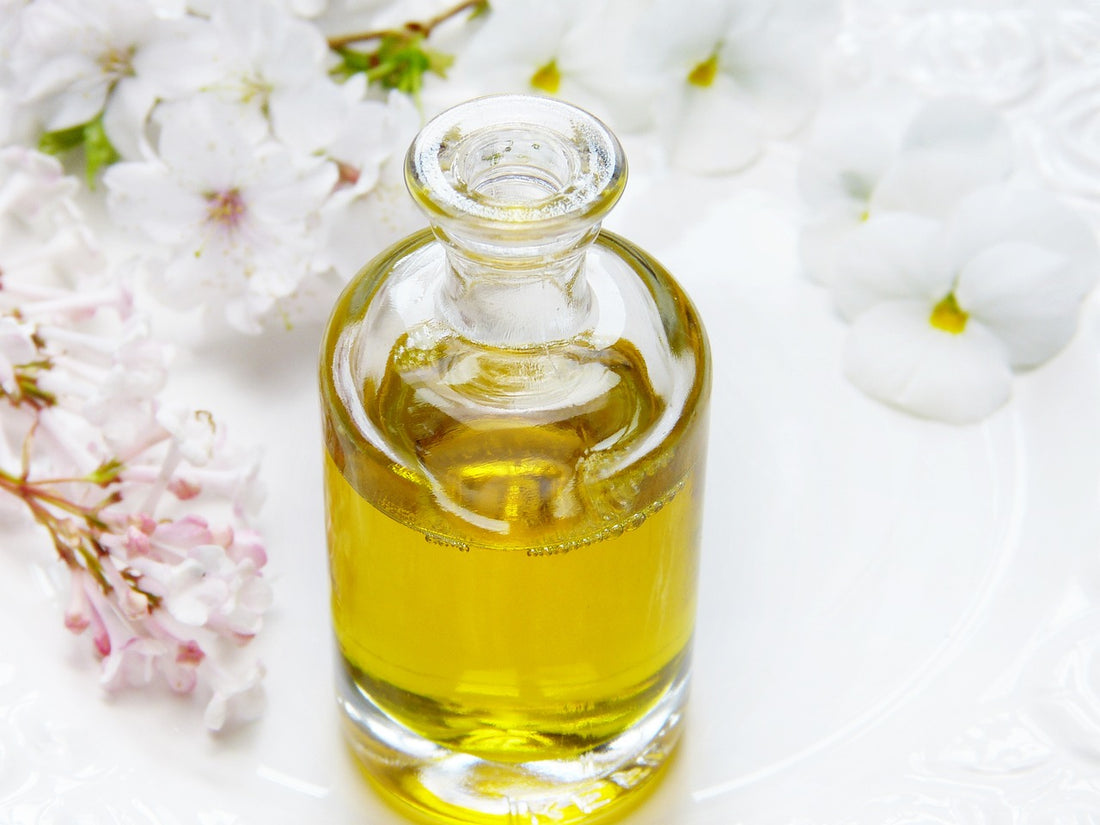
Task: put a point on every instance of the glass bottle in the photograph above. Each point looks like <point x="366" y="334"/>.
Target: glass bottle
<point x="514" y="413"/>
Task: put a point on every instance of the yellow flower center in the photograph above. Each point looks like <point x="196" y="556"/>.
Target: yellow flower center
<point x="948" y="316"/>
<point x="547" y="78"/>
<point x="226" y="208"/>
<point x="704" y="73"/>
<point x="116" y="62"/>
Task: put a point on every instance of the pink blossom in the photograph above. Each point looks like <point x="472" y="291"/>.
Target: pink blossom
<point x="106" y="469"/>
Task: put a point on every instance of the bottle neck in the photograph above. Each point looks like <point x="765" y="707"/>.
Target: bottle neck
<point x="515" y="187"/>
<point x="519" y="293"/>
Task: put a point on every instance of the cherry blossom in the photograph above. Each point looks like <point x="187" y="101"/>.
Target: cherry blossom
<point x="75" y="61"/>
<point x="338" y="123"/>
<point x="230" y="210"/>
<point x="942" y="312"/>
<point x="262" y="52"/>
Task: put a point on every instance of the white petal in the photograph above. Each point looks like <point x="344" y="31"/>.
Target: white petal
<point x="208" y="141"/>
<point x="284" y="193"/>
<point x="183" y="58"/>
<point x="965" y="126"/>
<point x="710" y="130"/>
<point x="823" y="238"/>
<point x="670" y="42"/>
<point x="1025" y="296"/>
<point x="777" y="66"/>
<point x="125" y="116"/>
<point x="895" y="355"/>
<point x="77" y="105"/>
<point x="1000" y="214"/>
<point x="58" y="75"/>
<point x="844" y="161"/>
<point x="145" y="196"/>
<point x="522" y="36"/>
<point x="888" y="258"/>
<point x="931" y="181"/>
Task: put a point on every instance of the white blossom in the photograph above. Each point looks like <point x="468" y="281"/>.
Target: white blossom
<point x="358" y="225"/>
<point x="853" y="170"/>
<point x="572" y="49"/>
<point x="337" y="122"/>
<point x="261" y="53"/>
<point x="231" y="210"/>
<point x="76" y="59"/>
<point x="726" y="76"/>
<point x="302" y="8"/>
<point x="942" y="312"/>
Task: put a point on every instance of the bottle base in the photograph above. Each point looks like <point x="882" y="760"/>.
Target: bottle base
<point x="434" y="783"/>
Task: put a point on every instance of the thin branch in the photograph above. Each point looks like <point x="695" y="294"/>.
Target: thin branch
<point x="424" y="29"/>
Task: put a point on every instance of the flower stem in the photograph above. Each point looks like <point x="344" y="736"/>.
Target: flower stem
<point x="424" y="28"/>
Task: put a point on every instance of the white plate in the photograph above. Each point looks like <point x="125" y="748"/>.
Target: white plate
<point x="900" y="620"/>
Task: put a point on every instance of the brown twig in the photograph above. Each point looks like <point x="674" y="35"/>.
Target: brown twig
<point x="424" y="29"/>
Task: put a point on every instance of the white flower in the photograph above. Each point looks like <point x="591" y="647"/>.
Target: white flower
<point x="942" y="312"/>
<point x="232" y="210"/>
<point x="728" y="75"/>
<point x="856" y="169"/>
<point x="17" y="348"/>
<point x="193" y="433"/>
<point x="302" y="8"/>
<point x="262" y="53"/>
<point x="75" y="59"/>
<point x="238" y="697"/>
<point x="573" y="49"/>
<point x="358" y="225"/>
<point x="334" y="120"/>
<point x="210" y="589"/>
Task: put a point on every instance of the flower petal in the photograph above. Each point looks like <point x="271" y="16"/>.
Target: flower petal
<point x="1023" y="294"/>
<point x="965" y="126"/>
<point x="844" y="161"/>
<point x="895" y="355"/>
<point x="931" y="181"/>
<point x="822" y="239"/>
<point x="999" y="214"/>
<point x="709" y="130"/>
<point x="889" y="258"/>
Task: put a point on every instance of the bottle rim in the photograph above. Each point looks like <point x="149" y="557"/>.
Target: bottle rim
<point x="514" y="163"/>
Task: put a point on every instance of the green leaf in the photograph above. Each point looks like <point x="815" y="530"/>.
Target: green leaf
<point x="62" y="140"/>
<point x="106" y="473"/>
<point x="480" y="9"/>
<point x="439" y="62"/>
<point x="98" y="151"/>
<point x="399" y="62"/>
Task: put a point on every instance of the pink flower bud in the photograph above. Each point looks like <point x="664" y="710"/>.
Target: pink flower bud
<point x="183" y="489"/>
<point x="189" y="653"/>
<point x="79" y="613"/>
<point x="137" y="542"/>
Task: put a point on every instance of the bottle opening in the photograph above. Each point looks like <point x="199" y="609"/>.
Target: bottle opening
<point x="514" y="167"/>
<point x="514" y="160"/>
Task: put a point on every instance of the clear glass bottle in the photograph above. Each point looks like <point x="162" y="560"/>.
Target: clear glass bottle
<point x="515" y="421"/>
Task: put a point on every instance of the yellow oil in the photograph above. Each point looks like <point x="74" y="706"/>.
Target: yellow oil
<point x="517" y="587"/>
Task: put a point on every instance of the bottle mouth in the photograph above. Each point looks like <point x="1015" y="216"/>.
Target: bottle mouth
<point x="511" y="161"/>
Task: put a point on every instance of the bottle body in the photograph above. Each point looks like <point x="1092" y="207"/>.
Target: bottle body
<point x="514" y="512"/>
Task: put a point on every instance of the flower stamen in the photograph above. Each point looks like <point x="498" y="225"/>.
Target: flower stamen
<point x="948" y="316"/>
<point x="547" y="78"/>
<point x="226" y="208"/>
<point x="704" y="74"/>
<point x="117" y="62"/>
